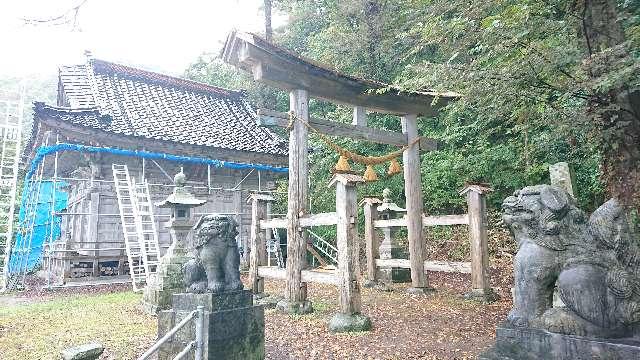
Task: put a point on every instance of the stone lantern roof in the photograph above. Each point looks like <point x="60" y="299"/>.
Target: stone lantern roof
<point x="180" y="195"/>
<point x="387" y="204"/>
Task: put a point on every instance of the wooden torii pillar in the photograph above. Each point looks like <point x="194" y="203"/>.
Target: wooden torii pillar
<point x="413" y="195"/>
<point x="295" y="296"/>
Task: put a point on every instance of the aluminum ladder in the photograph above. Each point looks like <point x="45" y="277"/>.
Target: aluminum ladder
<point x="147" y="232"/>
<point x="126" y="194"/>
<point x="275" y="246"/>
<point x="11" y="117"/>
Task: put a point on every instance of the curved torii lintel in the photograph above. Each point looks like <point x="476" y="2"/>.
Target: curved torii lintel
<point x="276" y="66"/>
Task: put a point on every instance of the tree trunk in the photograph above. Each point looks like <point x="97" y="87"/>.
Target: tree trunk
<point x="615" y="112"/>
<point x="268" y="30"/>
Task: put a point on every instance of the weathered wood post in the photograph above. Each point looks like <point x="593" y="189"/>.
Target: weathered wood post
<point x="371" y="238"/>
<point x="413" y="194"/>
<point x="477" y="213"/>
<point x="349" y="317"/>
<point x="257" y="241"/>
<point x="295" y="298"/>
<point x="94" y="209"/>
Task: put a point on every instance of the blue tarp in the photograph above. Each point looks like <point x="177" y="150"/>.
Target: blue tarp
<point x="27" y="249"/>
<point x="28" y="246"/>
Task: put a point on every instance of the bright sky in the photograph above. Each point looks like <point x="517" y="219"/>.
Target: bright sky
<point x="164" y="35"/>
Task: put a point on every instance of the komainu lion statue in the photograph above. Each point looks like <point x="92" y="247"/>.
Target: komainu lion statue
<point x="594" y="263"/>
<point x="216" y="266"/>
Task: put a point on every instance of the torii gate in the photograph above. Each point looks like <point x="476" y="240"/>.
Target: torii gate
<point x="303" y="78"/>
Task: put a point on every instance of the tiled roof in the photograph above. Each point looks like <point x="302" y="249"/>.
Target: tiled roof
<point x="129" y="101"/>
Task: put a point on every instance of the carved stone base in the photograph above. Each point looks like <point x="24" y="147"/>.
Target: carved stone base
<point x="349" y="323"/>
<point x="294" y="307"/>
<point x="234" y="327"/>
<point x="530" y="344"/>
<point x="485" y="296"/>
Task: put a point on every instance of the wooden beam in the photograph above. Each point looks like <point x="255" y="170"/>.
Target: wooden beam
<point x="478" y="237"/>
<point x="275" y="223"/>
<point x="258" y="244"/>
<point x="333" y="128"/>
<point x="413" y="194"/>
<point x="444" y="220"/>
<point x="347" y="243"/>
<point x="303" y="221"/>
<point x="321" y="219"/>
<point x="444" y="266"/>
<point x="298" y="200"/>
<point x="359" y="116"/>
<point x="371" y="240"/>
<point x="436" y="220"/>
<point x="280" y="68"/>
<point x="322" y="277"/>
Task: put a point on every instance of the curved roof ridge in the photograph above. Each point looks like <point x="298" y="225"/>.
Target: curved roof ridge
<point x="99" y="66"/>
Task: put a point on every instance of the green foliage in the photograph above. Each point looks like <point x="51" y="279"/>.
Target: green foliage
<point x="518" y="65"/>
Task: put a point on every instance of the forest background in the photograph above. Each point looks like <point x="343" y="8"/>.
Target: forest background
<point x="542" y="82"/>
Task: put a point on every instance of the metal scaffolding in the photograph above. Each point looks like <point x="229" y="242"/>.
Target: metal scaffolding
<point x="12" y="114"/>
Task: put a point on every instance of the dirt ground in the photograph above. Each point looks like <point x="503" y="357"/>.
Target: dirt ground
<point x="436" y="326"/>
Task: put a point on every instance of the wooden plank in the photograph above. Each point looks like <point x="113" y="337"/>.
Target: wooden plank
<point x="297" y="199"/>
<point x="334" y="128"/>
<point x="94" y="209"/>
<point x="257" y="241"/>
<point x="303" y="221"/>
<point x="349" y="297"/>
<point x="275" y="223"/>
<point x="413" y="194"/>
<point x="359" y="116"/>
<point x="444" y="266"/>
<point x="330" y="218"/>
<point x="438" y="220"/>
<point x="444" y="220"/>
<point x="371" y="240"/>
<point x="322" y="277"/>
<point x="477" y="208"/>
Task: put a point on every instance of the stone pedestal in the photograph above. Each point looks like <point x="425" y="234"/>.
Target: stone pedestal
<point x="529" y="344"/>
<point x="233" y="325"/>
<point x="390" y="249"/>
<point x="169" y="279"/>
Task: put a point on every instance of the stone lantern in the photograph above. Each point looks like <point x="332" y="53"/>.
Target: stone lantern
<point x="169" y="278"/>
<point x="390" y="247"/>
